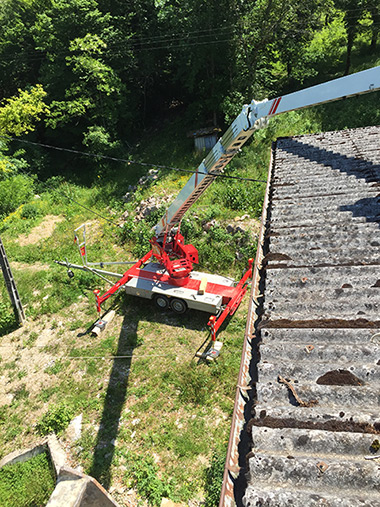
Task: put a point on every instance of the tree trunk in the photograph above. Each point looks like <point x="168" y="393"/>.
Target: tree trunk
<point x="375" y="29"/>
<point x="350" y="42"/>
<point x="374" y="40"/>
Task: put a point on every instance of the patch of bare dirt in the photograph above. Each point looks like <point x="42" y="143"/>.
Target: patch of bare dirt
<point x="34" y="347"/>
<point x="22" y="266"/>
<point x="31" y="361"/>
<point x="42" y="231"/>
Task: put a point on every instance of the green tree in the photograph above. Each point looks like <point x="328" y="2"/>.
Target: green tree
<point x="19" y="62"/>
<point x="18" y="114"/>
<point x="200" y="53"/>
<point x="373" y="7"/>
<point x="353" y="13"/>
<point x="75" y="73"/>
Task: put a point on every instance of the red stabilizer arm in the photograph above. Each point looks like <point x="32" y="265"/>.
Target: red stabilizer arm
<point x="124" y="279"/>
<point x="233" y="304"/>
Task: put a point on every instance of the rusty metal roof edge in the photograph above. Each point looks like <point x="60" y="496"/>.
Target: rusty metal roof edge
<point x="232" y="457"/>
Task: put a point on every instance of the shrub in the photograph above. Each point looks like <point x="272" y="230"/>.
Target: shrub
<point x="56" y="420"/>
<point x="139" y="235"/>
<point x="8" y="320"/>
<point x="30" y="210"/>
<point x="240" y="196"/>
<point x="15" y="191"/>
<point x="143" y="474"/>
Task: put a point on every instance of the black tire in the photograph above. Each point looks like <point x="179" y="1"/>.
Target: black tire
<point x="161" y="301"/>
<point x="178" y="305"/>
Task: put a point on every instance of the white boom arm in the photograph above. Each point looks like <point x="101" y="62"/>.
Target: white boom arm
<point x="253" y="117"/>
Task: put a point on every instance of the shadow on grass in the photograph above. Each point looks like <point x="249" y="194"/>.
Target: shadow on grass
<point x="9" y="322"/>
<point x="113" y="406"/>
<point x="117" y="390"/>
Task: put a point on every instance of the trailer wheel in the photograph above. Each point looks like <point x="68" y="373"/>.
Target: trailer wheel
<point x="178" y="305"/>
<point x="161" y="302"/>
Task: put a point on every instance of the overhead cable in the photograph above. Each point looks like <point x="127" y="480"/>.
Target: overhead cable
<point x="128" y="161"/>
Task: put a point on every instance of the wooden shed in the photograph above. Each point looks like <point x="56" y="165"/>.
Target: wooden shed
<point x="205" y="139"/>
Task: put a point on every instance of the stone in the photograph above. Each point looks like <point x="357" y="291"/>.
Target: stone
<point x="74" y="429"/>
<point x="208" y="225"/>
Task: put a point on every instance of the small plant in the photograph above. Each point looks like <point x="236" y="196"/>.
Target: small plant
<point x="56" y="420"/>
<point x="47" y="393"/>
<point x="30" y="210"/>
<point x="21" y="374"/>
<point x="76" y="324"/>
<point x="21" y="393"/>
<point x="3" y="414"/>
<point x="14" y="191"/>
<point x="11" y="365"/>
<point x="55" y="368"/>
<point x="13" y="427"/>
<point x="243" y="198"/>
<point x="31" y="339"/>
<point x="193" y="384"/>
<point x="8" y="320"/>
<point x="143" y="474"/>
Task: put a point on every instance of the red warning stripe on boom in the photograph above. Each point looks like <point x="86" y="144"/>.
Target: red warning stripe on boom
<point x="274" y="106"/>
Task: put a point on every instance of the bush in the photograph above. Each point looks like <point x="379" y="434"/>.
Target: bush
<point x="243" y="197"/>
<point x="15" y="191"/>
<point x="30" y="210"/>
<point x="138" y="234"/>
<point x="8" y="320"/>
<point x="143" y="474"/>
<point x="56" y="420"/>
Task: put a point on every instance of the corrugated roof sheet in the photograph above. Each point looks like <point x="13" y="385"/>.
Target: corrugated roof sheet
<point x="320" y="326"/>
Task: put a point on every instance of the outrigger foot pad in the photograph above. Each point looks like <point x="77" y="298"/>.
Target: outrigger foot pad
<point x="212" y="353"/>
<point x="101" y="323"/>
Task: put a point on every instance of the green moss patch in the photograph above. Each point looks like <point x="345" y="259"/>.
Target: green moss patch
<point x="27" y="484"/>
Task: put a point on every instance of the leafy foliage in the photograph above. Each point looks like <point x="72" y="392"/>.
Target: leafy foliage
<point x="143" y="474"/>
<point x="109" y="69"/>
<point x="55" y="420"/>
<point x="7" y="319"/>
<point x="18" y="113"/>
<point x="214" y="478"/>
<point x="14" y="191"/>
<point x="108" y="77"/>
<point x="244" y="198"/>
<point x="192" y="384"/>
